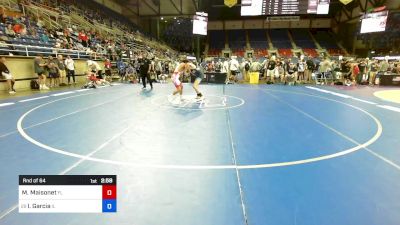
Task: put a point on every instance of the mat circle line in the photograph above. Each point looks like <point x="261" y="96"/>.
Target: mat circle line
<point x="206" y="167"/>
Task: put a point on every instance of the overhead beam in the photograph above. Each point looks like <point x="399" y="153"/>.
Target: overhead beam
<point x="130" y="9"/>
<point x="344" y="10"/>
<point x="148" y="5"/>
<point x="195" y="5"/>
<point x="176" y="7"/>
<point x="361" y="6"/>
<point x="137" y="7"/>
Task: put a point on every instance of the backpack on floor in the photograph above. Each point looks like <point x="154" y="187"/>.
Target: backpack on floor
<point x="34" y="85"/>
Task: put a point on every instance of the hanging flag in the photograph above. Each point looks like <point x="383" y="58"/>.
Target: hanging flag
<point x="230" y="3"/>
<point x="345" y="1"/>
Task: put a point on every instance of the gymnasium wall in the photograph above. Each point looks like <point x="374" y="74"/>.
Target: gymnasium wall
<point x="22" y="68"/>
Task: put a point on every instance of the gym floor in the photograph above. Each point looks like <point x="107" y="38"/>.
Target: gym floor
<point x="265" y="154"/>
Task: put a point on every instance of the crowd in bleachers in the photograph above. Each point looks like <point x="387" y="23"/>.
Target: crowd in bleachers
<point x="30" y="35"/>
<point x="31" y="30"/>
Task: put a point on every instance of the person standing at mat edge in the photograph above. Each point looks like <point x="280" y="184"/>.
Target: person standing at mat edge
<point x="144" y="68"/>
<point x="40" y="72"/>
<point x="70" y="65"/>
<point x="7" y="75"/>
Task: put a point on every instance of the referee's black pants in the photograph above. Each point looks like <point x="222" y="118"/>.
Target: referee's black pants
<point x="144" y="76"/>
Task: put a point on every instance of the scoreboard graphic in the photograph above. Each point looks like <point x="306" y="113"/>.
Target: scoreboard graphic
<point x="284" y="7"/>
<point x="67" y="193"/>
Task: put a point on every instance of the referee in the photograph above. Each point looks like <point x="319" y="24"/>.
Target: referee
<point x="144" y="70"/>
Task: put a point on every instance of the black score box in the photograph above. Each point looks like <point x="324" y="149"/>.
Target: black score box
<point x="67" y="193"/>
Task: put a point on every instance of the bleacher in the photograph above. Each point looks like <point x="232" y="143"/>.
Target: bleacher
<point x="285" y="52"/>
<point x="326" y="40"/>
<point x="110" y="28"/>
<point x="237" y="39"/>
<point x="280" y="39"/>
<point x="258" y="42"/>
<point x="336" y="51"/>
<point x="217" y="42"/>
<point x="260" y="53"/>
<point x="302" y="39"/>
<point x="237" y="42"/>
<point x="310" y="52"/>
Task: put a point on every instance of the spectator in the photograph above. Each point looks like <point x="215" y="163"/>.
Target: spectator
<point x="7" y="75"/>
<point x="3" y="16"/>
<point x="166" y="68"/>
<point x="264" y="66"/>
<point x="159" y="69"/>
<point x="397" y="68"/>
<point x="372" y="71"/>
<point x="301" y="67"/>
<point x="271" y="69"/>
<point x="225" y="67"/>
<point x="363" y="75"/>
<point x="83" y="38"/>
<point x="107" y="68"/>
<point x="218" y="66"/>
<point x="9" y="31"/>
<point x="310" y="67"/>
<point x="61" y="69"/>
<point x="70" y="66"/>
<point x="281" y="69"/>
<point x="355" y="70"/>
<point x="33" y="32"/>
<point x="44" y="37"/>
<point x="79" y="46"/>
<point x="39" y="71"/>
<point x="347" y="74"/>
<point x="234" y="68"/>
<point x="17" y="28"/>
<point x="210" y="67"/>
<point x="383" y="66"/>
<point x="325" y="68"/>
<point x="290" y="76"/>
<point x="121" y="66"/>
<point x="53" y="71"/>
<point x="64" y="44"/>
<point x="23" y="32"/>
